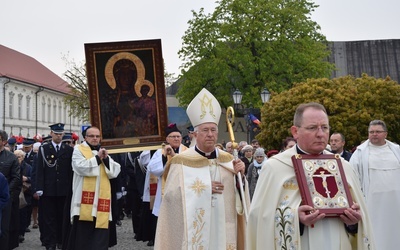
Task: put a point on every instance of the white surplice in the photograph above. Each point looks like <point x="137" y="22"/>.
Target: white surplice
<point x="379" y="170"/>
<point x="274" y="221"/>
<point x="191" y="217"/>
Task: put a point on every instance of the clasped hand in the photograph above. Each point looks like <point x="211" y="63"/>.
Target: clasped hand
<point x="309" y="216"/>
<point x="168" y="150"/>
<point x="102" y="153"/>
<point x="217" y="187"/>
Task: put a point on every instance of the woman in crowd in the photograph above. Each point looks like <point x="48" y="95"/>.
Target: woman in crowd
<point x="254" y="170"/>
<point x="247" y="158"/>
<point x="24" y="216"/>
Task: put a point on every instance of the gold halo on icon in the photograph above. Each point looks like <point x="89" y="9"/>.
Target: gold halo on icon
<point x="109" y="74"/>
<point x="138" y="87"/>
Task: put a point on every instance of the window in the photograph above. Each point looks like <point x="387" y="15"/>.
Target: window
<point x="65" y="114"/>
<point x="43" y="109"/>
<point x="55" y="111"/>
<point x="11" y="105"/>
<point x="28" y="108"/>
<point x="59" y="111"/>
<point x="20" y="96"/>
<point x="48" y="110"/>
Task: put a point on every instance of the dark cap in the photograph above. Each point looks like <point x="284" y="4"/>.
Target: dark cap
<point x="190" y="128"/>
<point x="28" y="142"/>
<point x="12" y="141"/>
<point x="171" y="128"/>
<point x="46" y="138"/>
<point x="67" y="136"/>
<point x="57" y="128"/>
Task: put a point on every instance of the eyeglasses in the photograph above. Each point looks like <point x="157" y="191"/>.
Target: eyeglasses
<point x="174" y="136"/>
<point x="314" y="129"/>
<point x="376" y="132"/>
<point x="93" y="136"/>
<point x="206" y="131"/>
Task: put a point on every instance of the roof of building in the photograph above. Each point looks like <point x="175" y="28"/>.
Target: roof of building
<point x="21" y="67"/>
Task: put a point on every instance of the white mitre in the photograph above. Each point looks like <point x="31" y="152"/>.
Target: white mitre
<point x="204" y="108"/>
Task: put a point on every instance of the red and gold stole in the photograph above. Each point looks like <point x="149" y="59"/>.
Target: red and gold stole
<point x="88" y="194"/>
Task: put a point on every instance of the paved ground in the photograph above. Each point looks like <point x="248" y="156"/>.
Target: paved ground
<point x="124" y="233"/>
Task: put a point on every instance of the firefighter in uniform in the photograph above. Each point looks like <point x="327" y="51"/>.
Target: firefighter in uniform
<point x="53" y="184"/>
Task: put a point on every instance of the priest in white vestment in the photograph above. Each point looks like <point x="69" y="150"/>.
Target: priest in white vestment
<point x="277" y="218"/>
<point x="91" y="198"/>
<point x="201" y="207"/>
<point x="377" y="161"/>
<point x="161" y="156"/>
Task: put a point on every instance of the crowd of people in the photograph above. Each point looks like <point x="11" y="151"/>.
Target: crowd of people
<point x="189" y="194"/>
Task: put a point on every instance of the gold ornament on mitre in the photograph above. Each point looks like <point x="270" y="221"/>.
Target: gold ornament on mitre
<point x="204" y="108"/>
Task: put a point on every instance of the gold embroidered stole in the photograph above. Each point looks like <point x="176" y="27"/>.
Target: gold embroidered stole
<point x="88" y="194"/>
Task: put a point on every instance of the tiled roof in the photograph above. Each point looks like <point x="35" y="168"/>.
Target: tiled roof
<point x="18" y="66"/>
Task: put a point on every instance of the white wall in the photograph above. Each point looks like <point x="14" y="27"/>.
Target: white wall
<point x="24" y="113"/>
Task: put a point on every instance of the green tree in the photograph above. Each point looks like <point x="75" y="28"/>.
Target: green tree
<point x="249" y="45"/>
<point x="351" y="104"/>
<point x="78" y="100"/>
<point x="169" y="78"/>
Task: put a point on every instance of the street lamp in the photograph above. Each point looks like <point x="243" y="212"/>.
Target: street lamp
<point x="237" y="96"/>
<point x="237" y="99"/>
<point x="265" y="95"/>
<point x="36" y="108"/>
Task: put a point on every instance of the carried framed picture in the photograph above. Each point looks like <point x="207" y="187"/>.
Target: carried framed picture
<point x="127" y="92"/>
<point x="322" y="183"/>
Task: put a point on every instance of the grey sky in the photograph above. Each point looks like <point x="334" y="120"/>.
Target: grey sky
<point x="48" y="29"/>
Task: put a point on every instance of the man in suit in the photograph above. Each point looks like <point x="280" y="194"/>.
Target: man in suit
<point x="337" y="142"/>
<point x="53" y="184"/>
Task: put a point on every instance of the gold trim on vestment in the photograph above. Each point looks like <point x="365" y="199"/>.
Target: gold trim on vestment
<point x="198" y="161"/>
